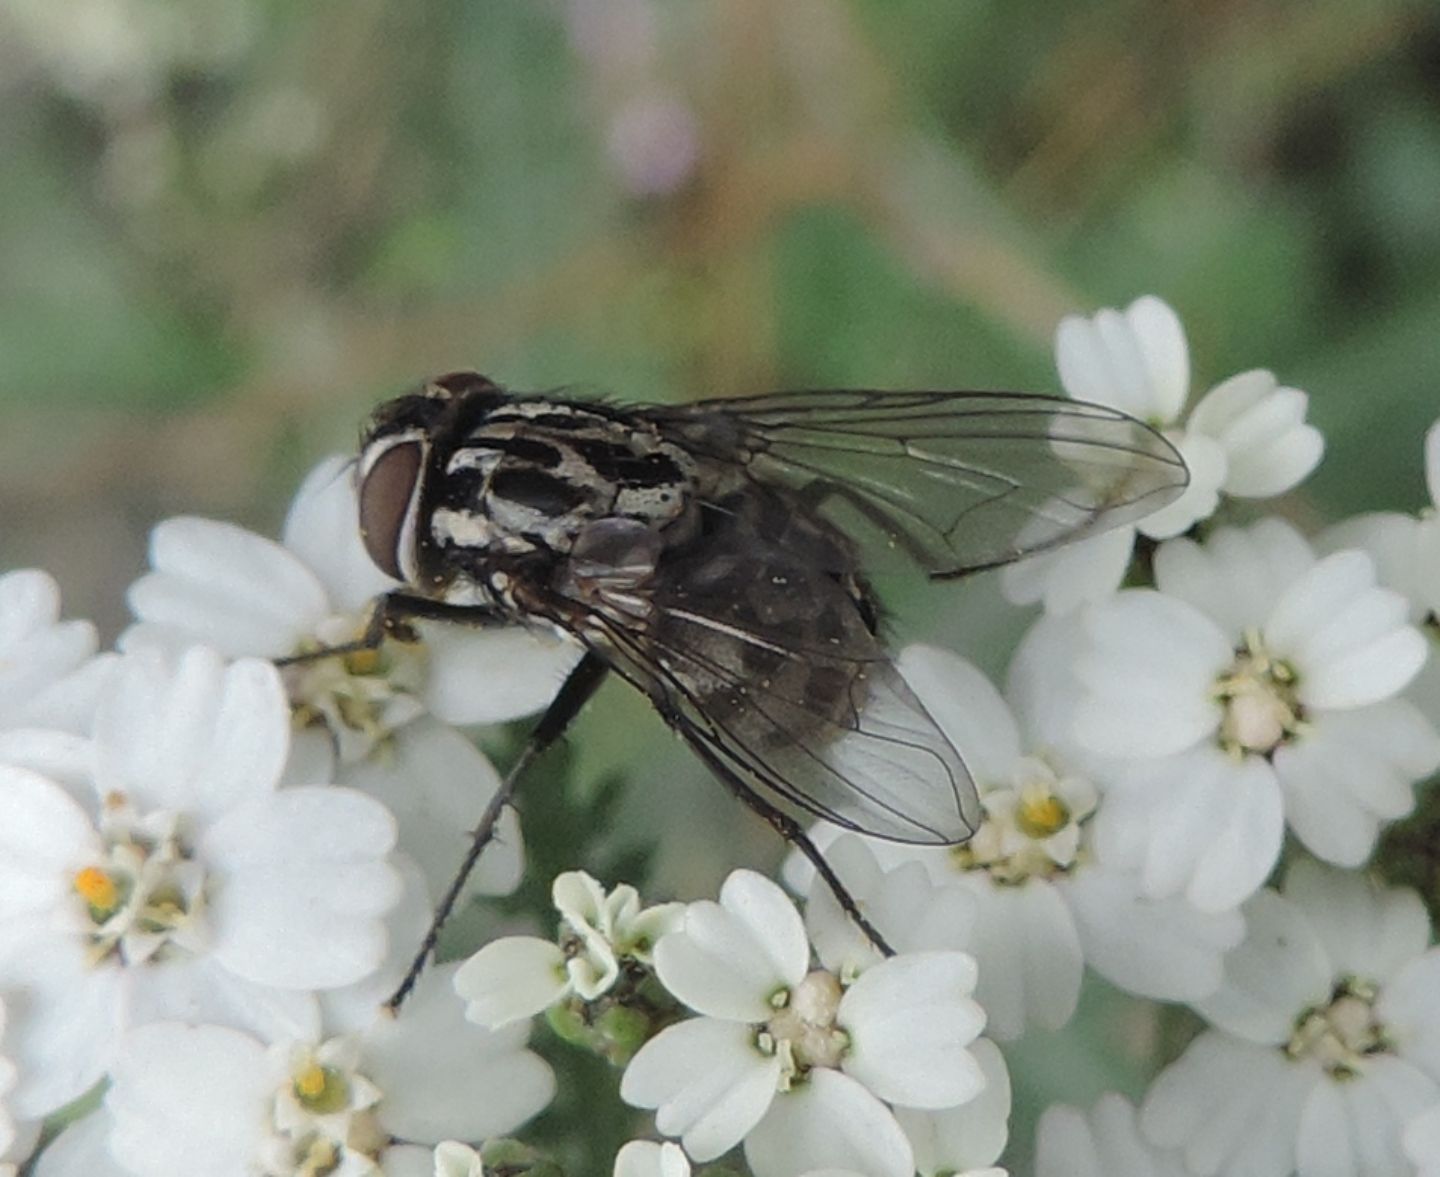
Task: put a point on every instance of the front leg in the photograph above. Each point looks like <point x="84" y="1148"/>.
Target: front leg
<point x="391" y="615"/>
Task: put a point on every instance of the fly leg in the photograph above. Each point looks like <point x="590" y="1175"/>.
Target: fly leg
<point x="791" y="830"/>
<point x="574" y="693"/>
<point x="390" y="617"/>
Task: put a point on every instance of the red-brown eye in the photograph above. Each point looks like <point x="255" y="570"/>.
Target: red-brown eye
<point x="385" y="501"/>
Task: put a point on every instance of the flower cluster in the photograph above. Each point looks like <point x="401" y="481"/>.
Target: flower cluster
<point x="222" y="846"/>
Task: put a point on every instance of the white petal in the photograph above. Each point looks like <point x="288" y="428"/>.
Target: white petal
<point x="1352" y="770"/>
<point x="198" y="736"/>
<point x="1354" y="1129"/>
<point x="303" y="886"/>
<point x="82" y="1150"/>
<point x="1067" y="577"/>
<point x="445" y="1077"/>
<point x="1280" y="969"/>
<point x="1231" y="1106"/>
<point x="199" y="990"/>
<point x="1029" y="955"/>
<point x="1206" y="463"/>
<point x="1368" y="930"/>
<point x="1147" y="676"/>
<point x="1422" y="1142"/>
<point x="831" y="1122"/>
<point x="1262" y="427"/>
<point x="437" y="783"/>
<point x="969" y="710"/>
<point x="1199" y="824"/>
<point x="910" y="1020"/>
<point x="323" y="530"/>
<point x="1137" y="360"/>
<point x="64" y="1019"/>
<point x="706" y="1080"/>
<point x="511" y="979"/>
<point x="1235" y="577"/>
<point x="1348" y="639"/>
<point x="733" y="956"/>
<point x="645" y="1158"/>
<point x="182" y="1092"/>
<point x="493" y="675"/>
<point x="1409" y="1008"/>
<point x="45" y="838"/>
<point x="1399" y="546"/>
<point x="1166" y="949"/>
<point x="1107" y="1143"/>
<point x="970" y="1136"/>
<point x="222" y="586"/>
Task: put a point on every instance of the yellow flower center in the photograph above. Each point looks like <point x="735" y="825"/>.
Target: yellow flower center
<point x="1041" y="814"/>
<point x="100" y="892"/>
<point x="321" y="1089"/>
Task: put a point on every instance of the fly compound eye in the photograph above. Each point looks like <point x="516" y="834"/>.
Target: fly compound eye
<point x="388" y="497"/>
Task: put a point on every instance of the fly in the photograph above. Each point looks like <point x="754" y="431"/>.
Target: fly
<point x="712" y="555"/>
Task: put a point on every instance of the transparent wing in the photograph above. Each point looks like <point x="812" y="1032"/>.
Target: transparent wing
<point x="765" y="665"/>
<point x="961" y="480"/>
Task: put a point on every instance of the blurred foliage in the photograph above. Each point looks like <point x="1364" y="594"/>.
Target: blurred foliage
<point x="228" y="226"/>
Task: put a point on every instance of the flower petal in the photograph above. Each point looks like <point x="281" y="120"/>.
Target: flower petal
<point x="1280" y="969"/>
<point x="181" y="1092"/>
<point x="967" y="707"/>
<point x="219" y="585"/>
<point x="445" y="1077"/>
<point x="1231" y="1106"/>
<point x="1147" y="675"/>
<point x="734" y="955"/>
<point x="910" y="1019"/>
<point x="971" y="1135"/>
<point x="707" y="1081"/>
<point x="1166" y="949"/>
<point x="511" y="979"/>
<point x="493" y="675"/>
<point x="302" y="884"/>
<point x="831" y="1122"/>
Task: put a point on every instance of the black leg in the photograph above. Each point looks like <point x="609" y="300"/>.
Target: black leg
<point x="791" y="831"/>
<point x="389" y="616"/>
<point x="787" y="827"/>
<point x="583" y="681"/>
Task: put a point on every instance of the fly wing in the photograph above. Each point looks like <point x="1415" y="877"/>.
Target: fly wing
<point x="962" y="480"/>
<point x="766" y="665"/>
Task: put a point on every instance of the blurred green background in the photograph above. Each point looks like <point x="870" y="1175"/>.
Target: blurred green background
<point x="227" y="227"/>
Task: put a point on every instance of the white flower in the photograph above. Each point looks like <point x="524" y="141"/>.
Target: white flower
<point x="49" y="672"/>
<point x="1257" y="683"/>
<point x="190" y="885"/>
<point x="1246" y="437"/>
<point x="369" y="719"/>
<point x="244" y="594"/>
<point x="366" y="1103"/>
<point x="1104" y="1142"/>
<point x="1326" y="1038"/>
<point x="1042" y="903"/>
<point x="515" y="977"/>
<point x="786" y="1057"/>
